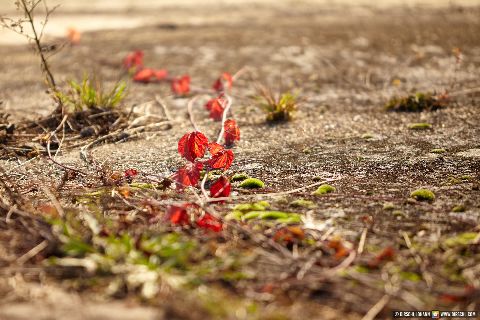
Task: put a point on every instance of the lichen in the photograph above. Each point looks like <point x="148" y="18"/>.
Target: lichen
<point x="324" y="189"/>
<point x="459" y="208"/>
<point x="420" y="126"/>
<point x="252" y="183"/>
<point x="423" y="195"/>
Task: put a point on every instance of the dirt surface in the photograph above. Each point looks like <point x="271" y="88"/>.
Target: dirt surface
<point x="345" y="63"/>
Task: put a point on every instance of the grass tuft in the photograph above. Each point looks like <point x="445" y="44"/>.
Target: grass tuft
<point x="90" y="94"/>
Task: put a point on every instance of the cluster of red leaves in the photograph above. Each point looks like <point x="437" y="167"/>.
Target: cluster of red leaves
<point x="148" y="75"/>
<point x="190" y="214"/>
<point x="193" y="146"/>
<point x="180" y="86"/>
<point x="133" y="62"/>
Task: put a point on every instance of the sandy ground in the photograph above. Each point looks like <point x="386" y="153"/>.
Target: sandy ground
<point x="345" y="62"/>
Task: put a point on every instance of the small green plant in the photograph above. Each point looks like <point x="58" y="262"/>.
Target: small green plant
<point x="438" y="150"/>
<point x="303" y="203"/>
<point x="420" y="126"/>
<point x="252" y="183"/>
<point x="324" y="189"/>
<point x="89" y="94"/>
<point x="279" y="108"/>
<point x="417" y="102"/>
<point x="423" y="195"/>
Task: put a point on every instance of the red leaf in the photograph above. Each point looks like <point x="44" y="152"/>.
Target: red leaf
<point x="193" y="145"/>
<point x="133" y="59"/>
<point x="231" y="131"/>
<point x="221" y="160"/>
<point x="73" y="35"/>
<point x="188" y="175"/>
<point x="387" y="254"/>
<point x="224" y="82"/>
<point x="178" y="215"/>
<point x="210" y="222"/>
<point x="144" y="75"/>
<point x="161" y="74"/>
<point x="220" y="188"/>
<point x="150" y="75"/>
<point x="214" y="148"/>
<point x="340" y="250"/>
<point x="289" y="235"/>
<point x="130" y="173"/>
<point x="216" y="107"/>
<point x="181" y="86"/>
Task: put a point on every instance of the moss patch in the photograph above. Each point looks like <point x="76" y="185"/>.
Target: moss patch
<point x="439" y="150"/>
<point x="462" y="239"/>
<point x="417" y="102"/>
<point x="419" y="126"/>
<point x="239" y="177"/>
<point x="303" y="203"/>
<point x="459" y="208"/>
<point x="324" y="189"/>
<point x="388" y="206"/>
<point x="252" y="183"/>
<point x="423" y="195"/>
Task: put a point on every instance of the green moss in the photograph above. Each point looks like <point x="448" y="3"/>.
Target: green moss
<point x="257" y="206"/>
<point x="439" y="150"/>
<point x="417" y="102"/>
<point x="398" y="214"/>
<point x="423" y="195"/>
<point x="234" y="215"/>
<point x="324" y="189"/>
<point x="140" y="185"/>
<point x="410" y="276"/>
<point x="303" y="203"/>
<point x="239" y="177"/>
<point x="462" y="239"/>
<point x="388" y="206"/>
<point x="264" y="203"/>
<point x="367" y="136"/>
<point x="252" y="183"/>
<point x="466" y="177"/>
<point x="459" y="208"/>
<point x="420" y="126"/>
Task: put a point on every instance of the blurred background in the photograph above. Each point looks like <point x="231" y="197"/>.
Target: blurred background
<point x="114" y="14"/>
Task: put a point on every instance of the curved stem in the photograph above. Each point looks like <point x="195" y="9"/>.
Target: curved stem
<point x="224" y="117"/>
<point x="190" y="112"/>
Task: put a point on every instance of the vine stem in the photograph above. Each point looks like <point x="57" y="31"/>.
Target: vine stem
<point x="190" y="111"/>
<point x="224" y="117"/>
